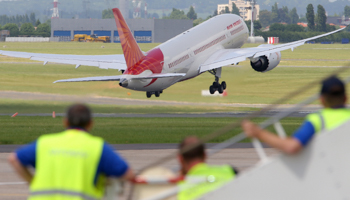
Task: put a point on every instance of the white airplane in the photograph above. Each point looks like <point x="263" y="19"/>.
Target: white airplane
<point x="206" y="47"/>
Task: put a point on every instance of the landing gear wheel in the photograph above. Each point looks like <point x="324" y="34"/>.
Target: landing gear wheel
<point x="220" y="89"/>
<point x="223" y="83"/>
<point x="148" y="94"/>
<point x="157" y="94"/>
<point x="212" y="90"/>
<point x="216" y="84"/>
<point x="161" y="91"/>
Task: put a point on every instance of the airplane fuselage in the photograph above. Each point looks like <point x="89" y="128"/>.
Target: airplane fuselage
<point x="187" y="51"/>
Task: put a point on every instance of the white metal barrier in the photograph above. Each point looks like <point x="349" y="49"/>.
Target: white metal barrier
<point x="27" y="39"/>
<point x="320" y="171"/>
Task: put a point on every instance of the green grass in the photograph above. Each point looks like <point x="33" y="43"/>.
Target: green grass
<point x="21" y="130"/>
<point x="10" y="106"/>
<point x="244" y="84"/>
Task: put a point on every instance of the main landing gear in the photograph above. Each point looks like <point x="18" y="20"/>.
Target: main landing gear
<point x="216" y="84"/>
<point x="157" y="93"/>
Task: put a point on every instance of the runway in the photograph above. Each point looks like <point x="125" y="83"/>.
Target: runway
<point x="126" y="101"/>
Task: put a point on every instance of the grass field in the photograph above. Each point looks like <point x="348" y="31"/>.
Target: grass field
<point x="21" y="130"/>
<point x="10" y="106"/>
<point x="244" y="84"/>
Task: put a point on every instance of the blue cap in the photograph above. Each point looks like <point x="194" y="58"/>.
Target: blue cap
<point x="333" y="86"/>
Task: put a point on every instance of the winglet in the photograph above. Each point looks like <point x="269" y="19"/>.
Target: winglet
<point x="131" y="49"/>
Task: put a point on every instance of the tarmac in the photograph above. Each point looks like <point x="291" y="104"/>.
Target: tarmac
<point x="13" y="188"/>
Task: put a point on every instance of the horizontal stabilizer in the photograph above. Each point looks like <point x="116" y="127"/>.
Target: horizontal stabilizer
<point x="97" y="78"/>
<point x="117" y="78"/>
<point x="101" y="61"/>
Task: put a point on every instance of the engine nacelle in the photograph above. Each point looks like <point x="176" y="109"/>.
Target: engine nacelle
<point x="266" y="63"/>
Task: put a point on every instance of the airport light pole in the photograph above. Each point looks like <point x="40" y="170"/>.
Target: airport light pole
<point x="252" y="6"/>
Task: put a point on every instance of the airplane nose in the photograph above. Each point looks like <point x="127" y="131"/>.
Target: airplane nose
<point x="124" y="82"/>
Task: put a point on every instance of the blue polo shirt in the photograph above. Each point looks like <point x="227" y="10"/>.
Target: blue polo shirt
<point x="304" y="133"/>
<point x="111" y="164"/>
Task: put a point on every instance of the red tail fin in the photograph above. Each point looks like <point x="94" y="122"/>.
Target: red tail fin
<point x="132" y="52"/>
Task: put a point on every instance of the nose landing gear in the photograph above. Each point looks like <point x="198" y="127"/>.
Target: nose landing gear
<point x="156" y="93"/>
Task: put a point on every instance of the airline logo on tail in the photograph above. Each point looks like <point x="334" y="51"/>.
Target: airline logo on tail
<point x="136" y="61"/>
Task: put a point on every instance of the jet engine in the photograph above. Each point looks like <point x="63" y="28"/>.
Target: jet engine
<point x="266" y="63"/>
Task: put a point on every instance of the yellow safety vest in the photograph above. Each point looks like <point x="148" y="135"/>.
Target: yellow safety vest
<point x="328" y="118"/>
<point x="66" y="165"/>
<point x="216" y="176"/>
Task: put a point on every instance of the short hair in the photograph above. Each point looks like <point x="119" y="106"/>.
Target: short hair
<point x="197" y="152"/>
<point x="78" y="115"/>
<point x="334" y="92"/>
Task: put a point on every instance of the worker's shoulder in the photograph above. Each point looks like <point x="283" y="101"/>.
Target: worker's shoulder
<point x="70" y="133"/>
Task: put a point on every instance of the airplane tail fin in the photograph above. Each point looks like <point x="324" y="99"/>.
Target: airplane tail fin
<point x="131" y="49"/>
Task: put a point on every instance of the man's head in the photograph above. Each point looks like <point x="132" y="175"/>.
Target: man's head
<point x="188" y="156"/>
<point x="333" y="93"/>
<point x="78" y="116"/>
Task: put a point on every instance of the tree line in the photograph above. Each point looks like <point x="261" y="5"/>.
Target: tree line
<point x="28" y="29"/>
<point x="18" y="19"/>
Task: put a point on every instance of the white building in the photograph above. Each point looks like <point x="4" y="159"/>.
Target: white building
<point x="244" y="9"/>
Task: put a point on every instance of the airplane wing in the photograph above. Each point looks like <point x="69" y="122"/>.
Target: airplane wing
<point x="117" y="78"/>
<point x="101" y="61"/>
<point x="225" y="57"/>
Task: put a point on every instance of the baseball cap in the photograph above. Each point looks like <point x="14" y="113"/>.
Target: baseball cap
<point x="333" y="86"/>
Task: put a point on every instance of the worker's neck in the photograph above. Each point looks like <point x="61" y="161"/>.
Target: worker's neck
<point x="193" y="163"/>
<point x="76" y="128"/>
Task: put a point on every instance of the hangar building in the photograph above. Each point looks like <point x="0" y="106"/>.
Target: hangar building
<point x="144" y="30"/>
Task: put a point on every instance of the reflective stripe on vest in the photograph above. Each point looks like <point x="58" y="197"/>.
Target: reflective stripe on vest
<point x="66" y="165"/>
<point x="216" y="175"/>
<point x="328" y="118"/>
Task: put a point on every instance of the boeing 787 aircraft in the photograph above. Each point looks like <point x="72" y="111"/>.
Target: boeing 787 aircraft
<point x="206" y="47"/>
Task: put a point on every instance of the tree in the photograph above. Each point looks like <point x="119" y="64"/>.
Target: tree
<point x="176" y="14"/>
<point x="227" y="9"/>
<point x="37" y="23"/>
<point x="257" y="24"/>
<point x="43" y="30"/>
<point x="13" y="28"/>
<point x="27" y="20"/>
<point x="274" y="13"/>
<point x="155" y="16"/>
<point x="294" y="17"/>
<point x="192" y="14"/>
<point x="310" y="17"/>
<point x="107" y="14"/>
<point x="235" y="10"/>
<point x="347" y="11"/>
<point x="197" y="21"/>
<point x="27" y="29"/>
<point x="265" y="17"/>
<point x="283" y="15"/>
<point x="32" y="18"/>
<point x="321" y="19"/>
<point x="215" y="13"/>
<point x="277" y="27"/>
<point x="294" y="28"/>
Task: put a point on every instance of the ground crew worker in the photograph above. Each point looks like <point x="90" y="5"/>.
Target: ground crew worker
<point x="193" y="164"/>
<point x="333" y="99"/>
<point x="69" y="165"/>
